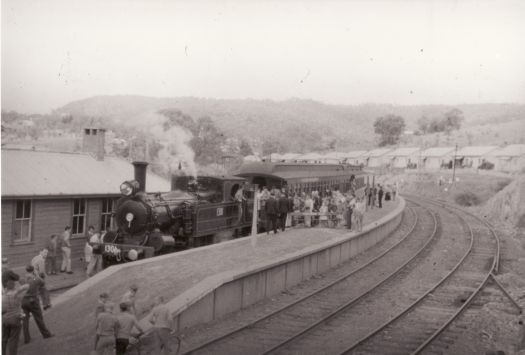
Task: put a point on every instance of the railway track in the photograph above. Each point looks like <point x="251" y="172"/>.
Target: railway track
<point x="412" y="330"/>
<point x="296" y="316"/>
<point x="334" y="319"/>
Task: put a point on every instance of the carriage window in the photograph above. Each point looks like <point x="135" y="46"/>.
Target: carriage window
<point x="234" y="190"/>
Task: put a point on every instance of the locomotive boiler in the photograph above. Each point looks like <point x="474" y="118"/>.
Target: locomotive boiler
<point x="197" y="211"/>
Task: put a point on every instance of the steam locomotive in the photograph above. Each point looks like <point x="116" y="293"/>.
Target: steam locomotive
<point x="202" y="210"/>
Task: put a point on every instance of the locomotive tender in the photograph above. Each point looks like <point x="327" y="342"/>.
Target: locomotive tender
<point x="202" y="210"/>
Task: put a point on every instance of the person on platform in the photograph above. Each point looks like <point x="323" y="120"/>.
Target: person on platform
<point x="39" y="267"/>
<point x="31" y="305"/>
<point x="53" y="249"/>
<point x="272" y="210"/>
<point x="350" y="207"/>
<point x="106" y="330"/>
<point x="12" y="315"/>
<point x="359" y="212"/>
<point x="65" y="244"/>
<point x="126" y="322"/>
<point x="95" y="264"/>
<point x="283" y="210"/>
<point x="162" y="320"/>
<point x="323" y="214"/>
<point x="308" y="210"/>
<point x="130" y="297"/>
<point x="380" y="193"/>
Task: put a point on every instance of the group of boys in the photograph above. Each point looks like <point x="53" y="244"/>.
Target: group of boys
<point x="114" y="331"/>
<point x="20" y="300"/>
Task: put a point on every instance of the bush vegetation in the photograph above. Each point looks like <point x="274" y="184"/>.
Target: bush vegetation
<point x="467" y="199"/>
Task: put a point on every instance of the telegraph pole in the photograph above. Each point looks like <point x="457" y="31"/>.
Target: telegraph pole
<point x="454" y="165"/>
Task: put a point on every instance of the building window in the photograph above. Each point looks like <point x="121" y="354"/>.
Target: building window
<point x="79" y="216"/>
<point x="106" y="218"/>
<point x="22" y="226"/>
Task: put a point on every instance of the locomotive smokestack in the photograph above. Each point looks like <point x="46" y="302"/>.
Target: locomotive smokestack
<point x="140" y="174"/>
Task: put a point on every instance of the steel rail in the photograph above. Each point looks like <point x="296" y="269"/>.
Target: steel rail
<point x="495" y="264"/>
<point x="415" y="303"/>
<point x="311" y="294"/>
<point x="358" y="298"/>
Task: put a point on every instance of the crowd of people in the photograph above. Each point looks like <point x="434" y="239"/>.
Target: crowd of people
<point x="330" y="208"/>
<point x="28" y="295"/>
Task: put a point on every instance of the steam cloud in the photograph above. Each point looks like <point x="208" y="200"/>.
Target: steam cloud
<point x="175" y="149"/>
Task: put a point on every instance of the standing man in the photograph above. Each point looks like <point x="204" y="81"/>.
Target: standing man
<point x="39" y="266"/>
<point x="380" y="196"/>
<point x="95" y="264"/>
<point x="52" y="248"/>
<point x="11" y="316"/>
<point x="394" y="191"/>
<point x="349" y="211"/>
<point x="31" y="305"/>
<point x="272" y="209"/>
<point x="283" y="210"/>
<point x="66" y="250"/>
<point x="126" y="323"/>
<point x="106" y="330"/>
<point x="161" y="319"/>
<point x="239" y="197"/>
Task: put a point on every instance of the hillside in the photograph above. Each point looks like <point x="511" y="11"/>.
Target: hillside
<point x="350" y="126"/>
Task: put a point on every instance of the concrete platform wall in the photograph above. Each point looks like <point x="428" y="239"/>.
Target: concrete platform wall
<point x="231" y="292"/>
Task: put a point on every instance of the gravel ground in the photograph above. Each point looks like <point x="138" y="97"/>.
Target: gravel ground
<point x="73" y="320"/>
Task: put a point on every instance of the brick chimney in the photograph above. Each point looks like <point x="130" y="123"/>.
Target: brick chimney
<point x="93" y="142"/>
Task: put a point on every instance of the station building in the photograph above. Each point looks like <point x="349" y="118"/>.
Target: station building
<point x="43" y="191"/>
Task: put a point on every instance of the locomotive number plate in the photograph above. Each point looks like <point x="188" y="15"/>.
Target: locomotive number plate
<point x="220" y="211"/>
<point x="112" y="249"/>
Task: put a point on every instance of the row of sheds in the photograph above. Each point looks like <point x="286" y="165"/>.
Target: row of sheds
<point x="510" y="158"/>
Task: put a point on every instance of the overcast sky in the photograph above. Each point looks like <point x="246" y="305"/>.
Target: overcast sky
<point x="345" y="52"/>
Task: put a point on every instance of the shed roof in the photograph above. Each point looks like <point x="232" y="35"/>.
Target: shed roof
<point x="475" y="151"/>
<point x="403" y="152"/>
<point x="378" y="152"/>
<point x="36" y="173"/>
<point x="512" y="150"/>
<point x="437" y="151"/>
<point x="354" y="154"/>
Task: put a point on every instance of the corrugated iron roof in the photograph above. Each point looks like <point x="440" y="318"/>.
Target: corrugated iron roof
<point x="403" y="152"/>
<point x="475" y="151"/>
<point x="512" y="150"/>
<point x="378" y="152"/>
<point x="36" y="173"/>
<point x="437" y="151"/>
<point x="354" y="154"/>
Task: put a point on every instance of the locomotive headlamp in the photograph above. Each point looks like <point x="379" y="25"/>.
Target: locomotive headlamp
<point x="128" y="188"/>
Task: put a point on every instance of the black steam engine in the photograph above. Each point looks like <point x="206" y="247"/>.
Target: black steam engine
<point x="197" y="211"/>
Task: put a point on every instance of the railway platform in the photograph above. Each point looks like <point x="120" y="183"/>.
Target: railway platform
<point x="208" y="282"/>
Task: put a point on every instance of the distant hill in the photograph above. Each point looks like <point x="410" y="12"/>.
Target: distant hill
<point x="350" y="126"/>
